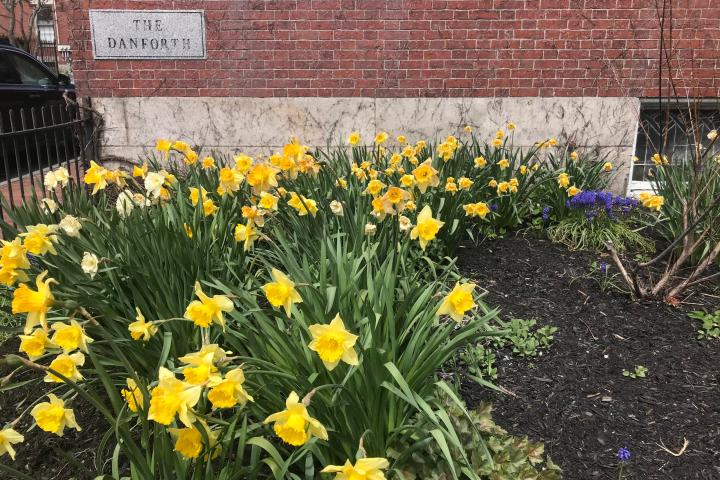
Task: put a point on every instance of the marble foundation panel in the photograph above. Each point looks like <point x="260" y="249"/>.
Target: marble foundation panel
<point x="261" y="126"/>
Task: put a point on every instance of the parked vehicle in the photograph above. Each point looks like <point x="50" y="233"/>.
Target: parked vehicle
<point x="32" y="97"/>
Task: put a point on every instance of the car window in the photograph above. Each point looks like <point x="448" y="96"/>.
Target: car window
<point x="18" y="70"/>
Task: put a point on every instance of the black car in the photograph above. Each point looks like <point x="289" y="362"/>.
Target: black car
<point x="27" y="82"/>
<point x="32" y="98"/>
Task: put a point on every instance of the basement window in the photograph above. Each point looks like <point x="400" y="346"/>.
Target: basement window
<point x="670" y="126"/>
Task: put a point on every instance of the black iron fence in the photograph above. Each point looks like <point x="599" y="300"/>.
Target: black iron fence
<point x="35" y="140"/>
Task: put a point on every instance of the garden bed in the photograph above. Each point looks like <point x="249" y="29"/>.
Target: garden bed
<point x="574" y="397"/>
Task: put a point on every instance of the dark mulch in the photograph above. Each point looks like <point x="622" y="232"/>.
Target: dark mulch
<point x="574" y="397"/>
<point x="39" y="456"/>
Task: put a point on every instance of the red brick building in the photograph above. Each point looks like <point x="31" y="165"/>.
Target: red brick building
<point x="576" y="69"/>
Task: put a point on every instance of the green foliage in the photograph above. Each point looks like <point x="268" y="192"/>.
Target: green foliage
<point x="579" y="233"/>
<point x="479" y="361"/>
<point x="710" y="324"/>
<point x="8" y="322"/>
<point x="512" y="457"/>
<point x="638" y="372"/>
<point x="525" y="338"/>
<point x="386" y="289"/>
<point x="690" y="191"/>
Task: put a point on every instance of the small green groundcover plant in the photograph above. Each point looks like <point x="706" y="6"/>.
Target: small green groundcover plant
<point x="271" y="317"/>
<point x="710" y="324"/>
<point x="638" y="372"/>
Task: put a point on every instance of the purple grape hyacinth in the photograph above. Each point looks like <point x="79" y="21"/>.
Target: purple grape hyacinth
<point x="594" y="203"/>
<point x="623" y="454"/>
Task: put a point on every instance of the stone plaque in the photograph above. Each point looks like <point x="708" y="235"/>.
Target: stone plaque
<point x="140" y="34"/>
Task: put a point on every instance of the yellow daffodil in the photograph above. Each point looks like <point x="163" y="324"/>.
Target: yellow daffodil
<point x="229" y="391"/>
<point x="380" y="138"/>
<point x="458" y="301"/>
<point x="333" y="343"/>
<point x="133" y="395"/>
<point x="13" y="262"/>
<point x="97" y="176"/>
<point x="34" y="345"/>
<point x="503" y="164"/>
<point x="39" y="239"/>
<point x="254" y="215"/>
<point x="196" y="194"/>
<point x="230" y="181"/>
<point x="607" y="166"/>
<point x="294" y="425"/>
<point x="523" y="170"/>
<point x="426" y="227"/>
<point x="480" y="162"/>
<point x="243" y="163"/>
<point x="364" y="469"/>
<point x="342" y="183"/>
<point x="191" y="157"/>
<point x="654" y="202"/>
<point x="70" y="337"/>
<point x="511" y="126"/>
<point x="426" y="176"/>
<point x="281" y="291"/>
<point x="209" y="207"/>
<point x="35" y="303"/>
<point x="574" y="156"/>
<point x="497" y="142"/>
<point x="163" y="145"/>
<point x="302" y="204"/>
<point x="140" y="171"/>
<point x="140" y="329"/>
<point x="563" y="180"/>
<point x="503" y="187"/>
<point x="268" y="201"/>
<point x="208" y="310"/>
<point x="467" y="129"/>
<point x="67" y="366"/>
<point x="173" y="397"/>
<point x="464" y="183"/>
<point x="188" y="230"/>
<point x="246" y="234"/>
<point x="374" y="187"/>
<point x="660" y="159"/>
<point x="353" y="138"/>
<point x="479" y="209"/>
<point x="572" y="191"/>
<point x="208" y="163"/>
<point x="189" y="440"/>
<point x="53" y="417"/>
<point x="8" y="437"/>
<point x="201" y="365"/>
<point x="262" y="177"/>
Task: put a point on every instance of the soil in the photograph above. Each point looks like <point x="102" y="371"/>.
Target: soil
<point x="39" y="455"/>
<point x="574" y="398"/>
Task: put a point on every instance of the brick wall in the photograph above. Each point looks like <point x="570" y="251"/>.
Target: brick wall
<point x="413" y="48"/>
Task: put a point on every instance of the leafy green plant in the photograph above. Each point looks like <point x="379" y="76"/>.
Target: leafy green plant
<point x="638" y="372"/>
<point x="512" y="457"/>
<point x="524" y="339"/>
<point x="710" y="324"/>
<point x="479" y="361"/>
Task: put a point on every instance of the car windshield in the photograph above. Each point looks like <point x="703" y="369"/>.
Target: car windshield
<point x="14" y="69"/>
